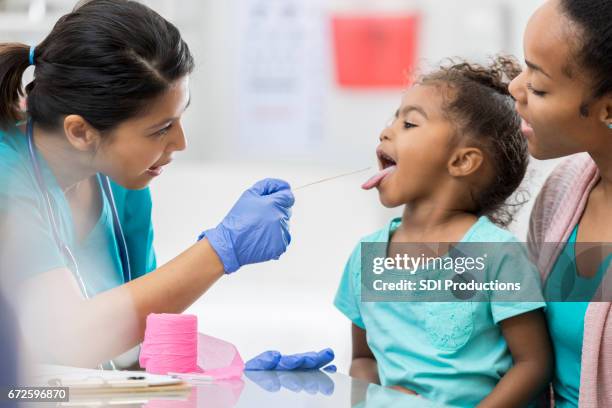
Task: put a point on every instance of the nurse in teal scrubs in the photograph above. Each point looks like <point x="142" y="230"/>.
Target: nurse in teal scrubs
<point x="565" y="99"/>
<point x="101" y="120"/>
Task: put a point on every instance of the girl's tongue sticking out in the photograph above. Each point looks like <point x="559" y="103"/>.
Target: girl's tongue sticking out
<point x="387" y="165"/>
<point x="375" y="180"/>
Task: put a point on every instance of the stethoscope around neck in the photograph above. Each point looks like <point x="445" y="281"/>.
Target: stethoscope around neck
<point x="61" y="244"/>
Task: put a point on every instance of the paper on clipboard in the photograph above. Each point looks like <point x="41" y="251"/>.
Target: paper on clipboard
<point x="92" y="380"/>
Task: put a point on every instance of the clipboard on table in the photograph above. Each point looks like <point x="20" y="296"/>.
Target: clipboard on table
<point x="91" y="381"/>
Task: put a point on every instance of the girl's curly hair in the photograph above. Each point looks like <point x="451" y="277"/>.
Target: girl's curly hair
<point x="480" y="105"/>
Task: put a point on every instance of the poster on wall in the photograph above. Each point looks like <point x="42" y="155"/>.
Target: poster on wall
<point x="375" y="51"/>
<point x="281" y="68"/>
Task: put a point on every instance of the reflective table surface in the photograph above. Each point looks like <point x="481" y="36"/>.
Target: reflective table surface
<point x="266" y="389"/>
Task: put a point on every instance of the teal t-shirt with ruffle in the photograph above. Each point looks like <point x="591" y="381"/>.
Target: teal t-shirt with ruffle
<point x="452" y="353"/>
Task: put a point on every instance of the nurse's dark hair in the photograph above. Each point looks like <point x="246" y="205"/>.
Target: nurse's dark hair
<point x="476" y="100"/>
<point x="105" y="61"/>
<point x="591" y="40"/>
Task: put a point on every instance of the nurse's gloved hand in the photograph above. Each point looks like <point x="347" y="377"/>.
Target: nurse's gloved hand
<point x="257" y="228"/>
<point x="274" y="360"/>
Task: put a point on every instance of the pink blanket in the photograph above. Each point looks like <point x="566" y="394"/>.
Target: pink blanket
<point x="556" y="212"/>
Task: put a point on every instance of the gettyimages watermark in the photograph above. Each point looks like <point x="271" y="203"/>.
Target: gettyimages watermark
<point x="484" y="272"/>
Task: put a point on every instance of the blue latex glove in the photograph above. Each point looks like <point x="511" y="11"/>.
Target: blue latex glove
<point x="274" y="360"/>
<point x="257" y="228"/>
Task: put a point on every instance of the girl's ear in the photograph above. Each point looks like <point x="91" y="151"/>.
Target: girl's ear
<point x="81" y="135"/>
<point x="465" y="161"/>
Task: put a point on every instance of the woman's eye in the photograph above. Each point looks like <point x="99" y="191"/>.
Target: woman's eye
<point x="163" y="132"/>
<point x="408" y="125"/>
<point x="534" y="91"/>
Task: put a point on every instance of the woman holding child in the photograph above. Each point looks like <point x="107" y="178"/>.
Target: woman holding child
<point x="440" y="159"/>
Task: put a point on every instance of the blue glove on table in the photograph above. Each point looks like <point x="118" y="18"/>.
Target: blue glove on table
<point x="274" y="360"/>
<point x="257" y="228"/>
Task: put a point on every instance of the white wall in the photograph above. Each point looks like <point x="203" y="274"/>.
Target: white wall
<point x="473" y="29"/>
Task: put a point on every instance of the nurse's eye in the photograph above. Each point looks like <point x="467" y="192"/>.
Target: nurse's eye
<point x="408" y="125"/>
<point x="534" y="91"/>
<point x="163" y="132"/>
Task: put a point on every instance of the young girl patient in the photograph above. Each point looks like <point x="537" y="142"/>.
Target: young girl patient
<point x="452" y="156"/>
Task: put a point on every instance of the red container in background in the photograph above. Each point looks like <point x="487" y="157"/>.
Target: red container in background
<point x="375" y="52"/>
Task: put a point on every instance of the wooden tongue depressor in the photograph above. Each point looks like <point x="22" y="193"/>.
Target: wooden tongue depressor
<point x="331" y="178"/>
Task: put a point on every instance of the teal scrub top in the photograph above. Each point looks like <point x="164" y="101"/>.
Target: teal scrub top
<point x="452" y="353"/>
<point x="28" y="247"/>
<point x="566" y="320"/>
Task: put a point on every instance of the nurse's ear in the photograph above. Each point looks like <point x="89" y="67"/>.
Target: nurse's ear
<point x="80" y="134"/>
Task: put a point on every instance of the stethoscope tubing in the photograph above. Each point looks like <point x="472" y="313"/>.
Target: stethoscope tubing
<point x="62" y="246"/>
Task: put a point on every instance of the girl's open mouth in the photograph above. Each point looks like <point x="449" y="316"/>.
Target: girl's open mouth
<point x="387" y="166"/>
<point x="385" y="160"/>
